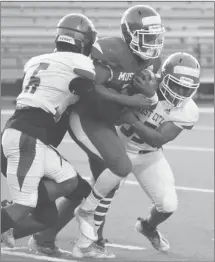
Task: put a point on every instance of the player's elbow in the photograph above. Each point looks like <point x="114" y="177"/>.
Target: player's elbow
<point x="159" y="141"/>
<point x="156" y="142"/>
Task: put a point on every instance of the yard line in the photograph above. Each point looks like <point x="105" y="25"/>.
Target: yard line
<point x="182" y="148"/>
<point x="189" y="148"/>
<point x="125" y="246"/>
<point x="37" y="257"/>
<point x="203" y="128"/>
<point x="183" y="188"/>
<point x="205" y="110"/>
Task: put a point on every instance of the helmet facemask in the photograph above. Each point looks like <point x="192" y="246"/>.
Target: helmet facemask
<point x="175" y="90"/>
<point x="148" y="43"/>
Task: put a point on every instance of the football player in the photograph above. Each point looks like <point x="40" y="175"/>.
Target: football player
<point x="51" y="83"/>
<point x="141" y="43"/>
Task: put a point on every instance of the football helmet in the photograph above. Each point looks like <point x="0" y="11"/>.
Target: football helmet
<point x="142" y="30"/>
<point x="77" y="30"/>
<point x="180" y="78"/>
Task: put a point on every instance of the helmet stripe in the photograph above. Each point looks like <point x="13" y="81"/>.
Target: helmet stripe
<point x="151" y="20"/>
<point x="184" y="70"/>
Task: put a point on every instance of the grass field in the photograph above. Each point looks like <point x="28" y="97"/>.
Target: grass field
<point x="190" y="230"/>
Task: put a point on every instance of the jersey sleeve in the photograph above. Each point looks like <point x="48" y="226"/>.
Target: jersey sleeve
<point x="187" y="116"/>
<point x="84" y="68"/>
<point x="26" y="66"/>
<point x="103" y="52"/>
<point x="81" y="86"/>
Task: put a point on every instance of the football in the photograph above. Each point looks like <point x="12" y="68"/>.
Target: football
<point x="147" y="90"/>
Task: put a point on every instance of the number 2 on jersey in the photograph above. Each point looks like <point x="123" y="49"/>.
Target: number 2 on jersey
<point x="130" y="132"/>
<point x="34" y="81"/>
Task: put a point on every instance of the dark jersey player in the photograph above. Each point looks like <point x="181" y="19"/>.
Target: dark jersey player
<point x="142" y="40"/>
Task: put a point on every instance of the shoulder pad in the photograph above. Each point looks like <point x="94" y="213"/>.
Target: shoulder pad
<point x="187" y="115"/>
<point x="107" y="50"/>
<point x="83" y="66"/>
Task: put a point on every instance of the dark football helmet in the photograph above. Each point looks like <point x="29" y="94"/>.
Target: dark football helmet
<point x="143" y="31"/>
<point x="78" y="31"/>
<point x="180" y="78"/>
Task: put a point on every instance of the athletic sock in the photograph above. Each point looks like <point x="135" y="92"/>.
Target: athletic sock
<point x="92" y="201"/>
<point x="103" y="208"/>
<point x="155" y="218"/>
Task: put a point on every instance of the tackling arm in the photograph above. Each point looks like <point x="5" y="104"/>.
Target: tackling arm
<point x="103" y="74"/>
<point x="166" y="132"/>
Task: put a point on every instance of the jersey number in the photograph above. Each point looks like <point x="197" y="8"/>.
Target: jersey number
<point x="130" y="132"/>
<point x="34" y="81"/>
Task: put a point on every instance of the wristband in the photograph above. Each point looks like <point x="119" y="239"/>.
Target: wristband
<point x="154" y="99"/>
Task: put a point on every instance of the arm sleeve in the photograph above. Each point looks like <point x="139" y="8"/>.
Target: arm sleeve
<point x="81" y="86"/>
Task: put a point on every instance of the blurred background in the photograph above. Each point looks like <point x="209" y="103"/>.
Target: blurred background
<point x="29" y="28"/>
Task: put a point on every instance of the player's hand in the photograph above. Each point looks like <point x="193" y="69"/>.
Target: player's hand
<point x="128" y="117"/>
<point x="141" y="101"/>
<point x="146" y="83"/>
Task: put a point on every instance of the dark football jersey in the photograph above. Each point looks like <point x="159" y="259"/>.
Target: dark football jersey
<point x="115" y="54"/>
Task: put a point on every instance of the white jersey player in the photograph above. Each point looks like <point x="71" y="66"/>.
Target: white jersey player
<point x="51" y="83"/>
<point x="146" y="132"/>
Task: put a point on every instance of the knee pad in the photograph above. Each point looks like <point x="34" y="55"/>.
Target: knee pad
<point x="168" y="204"/>
<point x="121" y="168"/>
<point x="82" y="190"/>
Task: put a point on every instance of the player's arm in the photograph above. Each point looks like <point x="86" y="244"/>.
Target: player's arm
<point x="83" y="85"/>
<point x="103" y="75"/>
<point x="166" y="132"/>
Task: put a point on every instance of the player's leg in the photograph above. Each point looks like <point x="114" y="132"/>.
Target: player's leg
<point x="97" y="164"/>
<point x="44" y="215"/>
<point x="25" y="168"/>
<point x="156" y="179"/>
<point x="61" y="171"/>
<point x="44" y="242"/>
<point x="66" y="209"/>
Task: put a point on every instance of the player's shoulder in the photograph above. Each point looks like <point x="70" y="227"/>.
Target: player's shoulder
<point x="187" y="115"/>
<point x="108" y="49"/>
<point x="73" y="59"/>
<point x="190" y="109"/>
<point x="80" y="64"/>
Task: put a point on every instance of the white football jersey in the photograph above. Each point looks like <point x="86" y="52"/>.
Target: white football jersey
<point x="47" y="79"/>
<point x="184" y="117"/>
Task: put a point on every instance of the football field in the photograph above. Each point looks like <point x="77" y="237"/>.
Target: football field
<point x="190" y="230"/>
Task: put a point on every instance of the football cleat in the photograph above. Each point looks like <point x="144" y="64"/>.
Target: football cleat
<point x="86" y="223"/>
<point x="101" y="249"/>
<point x="47" y="248"/>
<point x="8" y="239"/>
<point x="95" y="250"/>
<point x="155" y="237"/>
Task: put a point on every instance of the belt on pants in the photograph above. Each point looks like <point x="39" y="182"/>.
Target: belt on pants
<point x="141" y="152"/>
